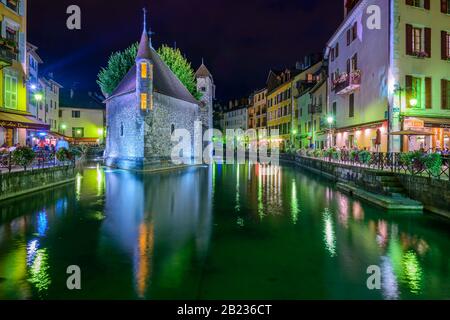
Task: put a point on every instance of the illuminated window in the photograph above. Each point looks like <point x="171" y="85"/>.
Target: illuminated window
<point x="144" y="71"/>
<point x="143" y="101"/>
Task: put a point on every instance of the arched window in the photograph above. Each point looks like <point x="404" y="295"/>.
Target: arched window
<point x="172" y="128"/>
<point x="121" y="129"/>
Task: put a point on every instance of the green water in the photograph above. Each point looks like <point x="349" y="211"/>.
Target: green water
<point x="225" y="232"/>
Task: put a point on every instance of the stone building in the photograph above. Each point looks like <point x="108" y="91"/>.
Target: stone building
<point x="147" y="106"/>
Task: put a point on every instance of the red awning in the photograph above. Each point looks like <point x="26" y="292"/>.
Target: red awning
<point x="12" y="120"/>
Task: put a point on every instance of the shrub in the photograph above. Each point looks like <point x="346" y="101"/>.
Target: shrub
<point x="365" y="156"/>
<point x="353" y="155"/>
<point x="23" y="156"/>
<point x="63" y="155"/>
<point x="318" y="153"/>
<point x="433" y="162"/>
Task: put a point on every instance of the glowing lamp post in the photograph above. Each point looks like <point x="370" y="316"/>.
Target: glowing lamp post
<point x="330" y="121"/>
<point x="413" y="102"/>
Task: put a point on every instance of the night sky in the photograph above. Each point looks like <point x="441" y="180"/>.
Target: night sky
<point x="239" y="40"/>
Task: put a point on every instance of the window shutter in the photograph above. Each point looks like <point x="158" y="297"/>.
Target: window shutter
<point x="348" y="37"/>
<point x="348" y="66"/>
<point x="22" y="7"/>
<point x="409" y="35"/>
<point x="426" y="4"/>
<point x="444" y="45"/>
<point x="22" y="47"/>
<point x="444" y="93"/>
<point x="428" y="94"/>
<point x="355" y="31"/>
<point x="409" y="2"/>
<point x="332" y="54"/>
<point x="337" y="50"/>
<point x="428" y="41"/>
<point x="444" y="6"/>
<point x="408" y="85"/>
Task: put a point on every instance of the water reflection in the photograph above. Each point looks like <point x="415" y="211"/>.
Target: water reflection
<point x="223" y="231"/>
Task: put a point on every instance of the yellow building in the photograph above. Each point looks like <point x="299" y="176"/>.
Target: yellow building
<point x="82" y="117"/>
<point x="14" y="118"/>
<point x="279" y="106"/>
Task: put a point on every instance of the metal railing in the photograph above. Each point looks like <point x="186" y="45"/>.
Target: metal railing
<point x="43" y="159"/>
<point x="393" y="162"/>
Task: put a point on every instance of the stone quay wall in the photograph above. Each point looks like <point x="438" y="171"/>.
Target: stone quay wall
<point x="20" y="183"/>
<point x="434" y="194"/>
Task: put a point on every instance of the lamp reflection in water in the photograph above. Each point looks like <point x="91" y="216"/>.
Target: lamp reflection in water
<point x="39" y="271"/>
<point x="412" y="271"/>
<point x="329" y="234"/>
<point x="78" y="180"/>
<point x="294" y="203"/>
<point x="144" y="257"/>
<point x="42" y="224"/>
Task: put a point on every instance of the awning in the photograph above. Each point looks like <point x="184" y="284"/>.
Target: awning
<point x="442" y="123"/>
<point x="12" y="121"/>
<point x="411" y="133"/>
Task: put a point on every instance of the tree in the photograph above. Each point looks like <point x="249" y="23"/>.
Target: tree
<point x="181" y="67"/>
<point x="120" y="63"/>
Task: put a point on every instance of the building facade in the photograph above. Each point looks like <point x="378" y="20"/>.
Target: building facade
<point x="145" y="109"/>
<point x="260" y="105"/>
<point x="403" y="86"/>
<point x="82" y="117"/>
<point x="236" y="115"/>
<point x="33" y="62"/>
<point x="48" y="107"/>
<point x="280" y="107"/>
<point x="15" y="120"/>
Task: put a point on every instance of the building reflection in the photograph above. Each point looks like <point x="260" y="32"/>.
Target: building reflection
<point x="168" y="221"/>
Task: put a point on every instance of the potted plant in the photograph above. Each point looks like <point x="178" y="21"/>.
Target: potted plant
<point x="365" y="156"/>
<point x="433" y="163"/>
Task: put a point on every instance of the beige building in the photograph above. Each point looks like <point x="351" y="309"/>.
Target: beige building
<point x="82" y="117"/>
<point x="391" y="76"/>
<point x="260" y="105"/>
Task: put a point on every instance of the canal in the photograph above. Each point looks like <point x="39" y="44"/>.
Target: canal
<point x="223" y="232"/>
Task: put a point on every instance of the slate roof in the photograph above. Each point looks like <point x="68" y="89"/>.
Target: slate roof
<point x="164" y="80"/>
<point x="203" y="72"/>
<point x="80" y="99"/>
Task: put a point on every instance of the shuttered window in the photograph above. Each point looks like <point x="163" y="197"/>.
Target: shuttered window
<point x="445" y="94"/>
<point x="10" y="91"/>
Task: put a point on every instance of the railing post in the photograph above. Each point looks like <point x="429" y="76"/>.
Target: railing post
<point x="10" y="162"/>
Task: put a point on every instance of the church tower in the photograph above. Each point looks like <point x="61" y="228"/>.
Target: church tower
<point x="144" y="71"/>
<point x="206" y="87"/>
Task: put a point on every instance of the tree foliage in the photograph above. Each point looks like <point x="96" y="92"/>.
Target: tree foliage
<point x="120" y="63"/>
<point x="181" y="67"/>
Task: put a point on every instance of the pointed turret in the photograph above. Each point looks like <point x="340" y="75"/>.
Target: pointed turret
<point x="144" y="44"/>
<point x="203" y="72"/>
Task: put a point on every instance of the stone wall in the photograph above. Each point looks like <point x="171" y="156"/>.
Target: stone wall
<point x="125" y="131"/>
<point x="370" y="180"/>
<point x="433" y="193"/>
<point x="167" y="112"/>
<point x="15" y="184"/>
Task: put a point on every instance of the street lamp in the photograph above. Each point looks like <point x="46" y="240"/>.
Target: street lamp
<point x="413" y="102"/>
<point x="38" y="97"/>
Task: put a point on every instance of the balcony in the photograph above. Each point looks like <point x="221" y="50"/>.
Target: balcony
<point x="347" y="83"/>
<point x="314" y="109"/>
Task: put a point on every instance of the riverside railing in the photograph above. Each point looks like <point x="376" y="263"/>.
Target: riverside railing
<point x="427" y="164"/>
<point x="43" y="159"/>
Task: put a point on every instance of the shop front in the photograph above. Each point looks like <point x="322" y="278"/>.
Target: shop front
<point x="20" y="129"/>
<point x="371" y="137"/>
<point x="436" y="134"/>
